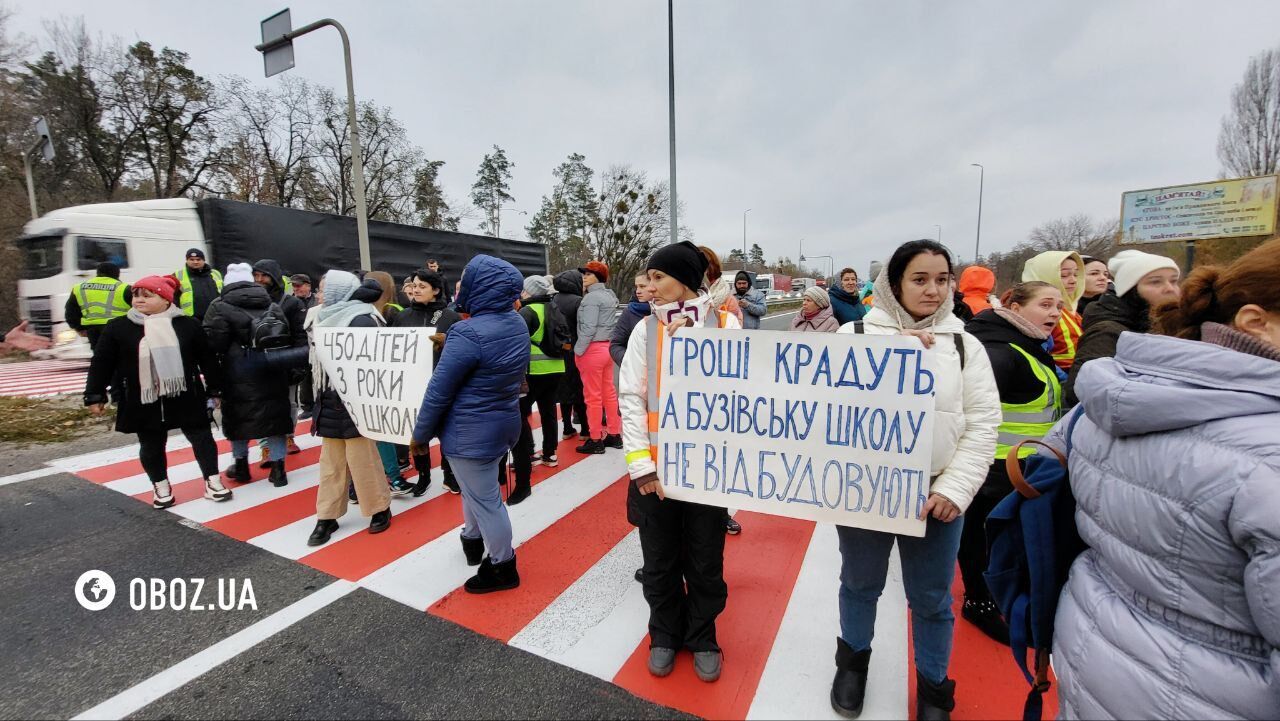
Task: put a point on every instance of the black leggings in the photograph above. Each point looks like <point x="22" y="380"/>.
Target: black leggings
<point x="973" y="546"/>
<point x="151" y="451"/>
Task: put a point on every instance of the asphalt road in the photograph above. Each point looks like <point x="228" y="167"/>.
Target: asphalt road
<point x="781" y="321"/>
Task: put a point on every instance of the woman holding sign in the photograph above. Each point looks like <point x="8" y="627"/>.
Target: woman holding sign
<point x="348" y="303"/>
<point x="683" y="543"/>
<point x="914" y="297"/>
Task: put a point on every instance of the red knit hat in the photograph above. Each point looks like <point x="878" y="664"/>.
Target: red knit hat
<point x="164" y="286"/>
<point x="598" y="269"/>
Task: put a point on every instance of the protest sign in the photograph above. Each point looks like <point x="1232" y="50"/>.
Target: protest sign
<point x="821" y="426"/>
<point x="381" y="375"/>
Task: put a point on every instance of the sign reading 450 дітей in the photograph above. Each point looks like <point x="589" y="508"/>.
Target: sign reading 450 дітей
<point x="821" y="426"/>
<point x="381" y="375"/>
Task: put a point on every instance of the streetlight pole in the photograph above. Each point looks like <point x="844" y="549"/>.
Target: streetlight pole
<point x="977" y="242"/>
<point x="671" y="104"/>
<point x="939" y="227"/>
<point x="744" y="238"/>
<point x="357" y="155"/>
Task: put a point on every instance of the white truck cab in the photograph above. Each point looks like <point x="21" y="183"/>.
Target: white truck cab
<point x="64" y="247"/>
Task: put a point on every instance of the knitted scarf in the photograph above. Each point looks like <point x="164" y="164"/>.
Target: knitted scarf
<point x="1023" y="325"/>
<point x="160" y="370"/>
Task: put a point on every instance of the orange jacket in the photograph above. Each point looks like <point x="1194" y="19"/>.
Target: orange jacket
<point x="976" y="284"/>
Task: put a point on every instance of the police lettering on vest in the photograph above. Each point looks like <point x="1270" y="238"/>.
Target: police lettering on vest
<point x="100" y="299"/>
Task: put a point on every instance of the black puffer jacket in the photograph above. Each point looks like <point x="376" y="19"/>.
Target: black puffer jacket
<point x="115" y="360"/>
<point x="331" y="418"/>
<point x="1104" y="320"/>
<point x="425" y="315"/>
<point x="295" y="311"/>
<point x="568" y="297"/>
<point x="255" y="402"/>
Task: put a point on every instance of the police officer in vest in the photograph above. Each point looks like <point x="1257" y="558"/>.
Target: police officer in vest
<point x="198" y="284"/>
<point x="545" y="373"/>
<point x="1030" y="388"/>
<point x="96" y="301"/>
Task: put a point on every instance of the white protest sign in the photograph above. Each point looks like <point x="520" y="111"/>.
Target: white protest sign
<point x="381" y="375"/>
<point x="820" y="426"/>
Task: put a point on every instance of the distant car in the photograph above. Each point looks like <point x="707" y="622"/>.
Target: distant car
<point x="773" y="295"/>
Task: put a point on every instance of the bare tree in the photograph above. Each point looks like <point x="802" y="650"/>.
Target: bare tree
<point x="269" y="140"/>
<point x="632" y="221"/>
<point x="1249" y="142"/>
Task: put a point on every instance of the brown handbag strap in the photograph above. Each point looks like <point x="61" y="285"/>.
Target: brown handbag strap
<point x="1015" y="469"/>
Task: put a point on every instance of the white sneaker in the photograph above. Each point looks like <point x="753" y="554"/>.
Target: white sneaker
<point x="161" y="495"/>
<point x="215" y="491"/>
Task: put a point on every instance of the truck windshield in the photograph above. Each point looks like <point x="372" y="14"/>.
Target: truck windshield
<point x="764" y="283"/>
<point x="42" y="256"/>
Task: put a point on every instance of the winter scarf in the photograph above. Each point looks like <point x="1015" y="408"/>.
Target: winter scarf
<point x="888" y="302"/>
<point x="1023" y="325"/>
<point x="160" y="370"/>
<point x="697" y="310"/>
<point x="639" y="308"/>
<point x="719" y="292"/>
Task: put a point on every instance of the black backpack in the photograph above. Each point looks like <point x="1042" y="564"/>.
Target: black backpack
<point x="555" y="336"/>
<point x="268" y="328"/>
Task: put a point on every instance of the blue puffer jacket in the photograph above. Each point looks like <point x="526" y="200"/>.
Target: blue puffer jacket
<point x="473" y="399"/>
<point x="1174" y="611"/>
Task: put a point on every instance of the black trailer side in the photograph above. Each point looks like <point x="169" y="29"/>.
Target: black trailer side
<point x="303" y="241"/>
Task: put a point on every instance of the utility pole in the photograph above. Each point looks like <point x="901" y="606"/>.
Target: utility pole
<point x="744" y="238"/>
<point x="44" y="143"/>
<point x="977" y="242"/>
<point x="671" y="106"/>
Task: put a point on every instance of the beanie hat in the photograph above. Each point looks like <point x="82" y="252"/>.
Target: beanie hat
<point x="239" y="273"/>
<point x="1129" y="266"/>
<point x="683" y="261"/>
<point x="537" y="285"/>
<point x="598" y="269"/>
<point x="818" y="296"/>
<point x="162" y="285"/>
<point x="876" y="267"/>
<point x="195" y="251"/>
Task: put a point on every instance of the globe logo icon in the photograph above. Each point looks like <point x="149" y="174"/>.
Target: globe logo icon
<point x="95" y="590"/>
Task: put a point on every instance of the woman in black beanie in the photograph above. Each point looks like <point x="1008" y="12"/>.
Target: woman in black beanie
<point x="683" y="543"/>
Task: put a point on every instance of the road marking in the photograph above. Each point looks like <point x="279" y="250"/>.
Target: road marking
<point x="134" y="699"/>
<point x="29" y="475"/>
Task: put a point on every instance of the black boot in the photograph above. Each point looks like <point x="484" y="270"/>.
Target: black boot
<point x="380" y="521"/>
<point x="278" y="477"/>
<point x="591" y="447"/>
<point x="473" y="549"/>
<point x="324" y="529"/>
<point x="520" y="492"/>
<point x="492" y="577"/>
<point x="850" y="687"/>
<point x="613" y="441"/>
<point x="934" y="703"/>
<point x="986" y="616"/>
<point x="239" y="470"/>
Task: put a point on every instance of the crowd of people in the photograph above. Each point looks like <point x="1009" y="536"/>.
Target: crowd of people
<point x="1174" y="458"/>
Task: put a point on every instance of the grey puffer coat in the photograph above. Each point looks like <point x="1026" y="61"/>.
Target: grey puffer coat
<point x="1174" y="611"/>
<point x="596" y="316"/>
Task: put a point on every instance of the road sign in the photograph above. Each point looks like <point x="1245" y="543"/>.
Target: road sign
<point x="279" y="57"/>
<point x="45" y="139"/>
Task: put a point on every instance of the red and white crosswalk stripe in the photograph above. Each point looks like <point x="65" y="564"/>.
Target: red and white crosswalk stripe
<point x="578" y="604"/>
<point x="36" y="379"/>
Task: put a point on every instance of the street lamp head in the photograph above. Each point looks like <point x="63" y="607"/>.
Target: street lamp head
<point x="976" y="165"/>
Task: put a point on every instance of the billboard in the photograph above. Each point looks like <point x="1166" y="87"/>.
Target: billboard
<point x="1221" y="209"/>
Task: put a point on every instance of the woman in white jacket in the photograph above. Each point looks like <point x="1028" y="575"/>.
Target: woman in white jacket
<point x="683" y="543"/>
<point x="913" y="297"/>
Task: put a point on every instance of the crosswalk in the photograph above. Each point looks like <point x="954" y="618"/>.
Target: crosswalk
<point x="578" y="604"/>
<point x="41" y="378"/>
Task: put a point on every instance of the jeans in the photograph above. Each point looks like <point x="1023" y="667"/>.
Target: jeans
<point x="390" y="461"/>
<point x="151" y="452"/>
<point x="484" y="515"/>
<point x="928" y="568"/>
<point x="274" y="444"/>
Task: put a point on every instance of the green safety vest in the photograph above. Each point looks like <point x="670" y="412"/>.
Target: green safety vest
<point x="397" y="306"/>
<point x="188" y="301"/>
<point x="100" y="300"/>
<point x="1032" y="420"/>
<point x="541" y="364"/>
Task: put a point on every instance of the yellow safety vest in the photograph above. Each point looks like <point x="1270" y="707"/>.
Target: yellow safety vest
<point x="655" y="335"/>
<point x="100" y="300"/>
<point x="1033" y="419"/>
<point x="188" y="301"/>
<point x="1070" y="334"/>
<point x="541" y="364"/>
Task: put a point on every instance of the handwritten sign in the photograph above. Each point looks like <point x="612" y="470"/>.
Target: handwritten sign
<point x="821" y="426"/>
<point x="381" y="375"/>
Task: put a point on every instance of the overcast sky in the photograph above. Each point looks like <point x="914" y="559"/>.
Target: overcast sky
<point x="851" y="125"/>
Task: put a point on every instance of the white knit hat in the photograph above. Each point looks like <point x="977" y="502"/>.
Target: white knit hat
<point x="239" y="273"/>
<point x="818" y="296"/>
<point x="1129" y="266"/>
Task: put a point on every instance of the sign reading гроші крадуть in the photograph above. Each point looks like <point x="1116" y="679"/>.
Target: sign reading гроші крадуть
<point x="820" y="426"/>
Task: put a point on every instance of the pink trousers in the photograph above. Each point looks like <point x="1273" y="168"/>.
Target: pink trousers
<point x="596" y="368"/>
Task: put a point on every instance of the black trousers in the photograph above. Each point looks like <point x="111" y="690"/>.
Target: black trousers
<point x="542" y="393"/>
<point x="683" y="546"/>
<point x="93" y="333"/>
<point x="151" y="451"/>
<point x="572" y="402"/>
<point x="973" y="546"/>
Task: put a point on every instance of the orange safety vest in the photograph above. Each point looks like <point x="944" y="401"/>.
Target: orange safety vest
<point x="1069" y="328"/>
